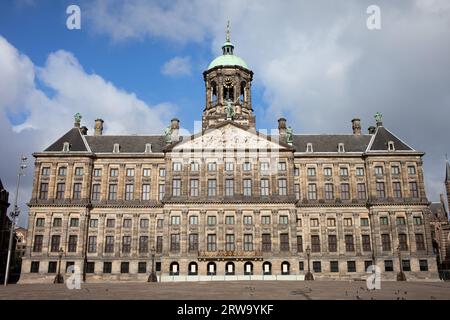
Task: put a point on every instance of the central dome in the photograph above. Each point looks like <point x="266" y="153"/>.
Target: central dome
<point x="227" y="58"/>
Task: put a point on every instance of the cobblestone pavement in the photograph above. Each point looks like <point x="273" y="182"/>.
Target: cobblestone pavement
<point x="267" y="290"/>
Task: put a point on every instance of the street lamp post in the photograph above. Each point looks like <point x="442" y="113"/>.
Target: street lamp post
<point x="14" y="215"/>
<point x="401" y="275"/>
<point x="59" y="278"/>
<point x="308" y="275"/>
<point x="152" y="277"/>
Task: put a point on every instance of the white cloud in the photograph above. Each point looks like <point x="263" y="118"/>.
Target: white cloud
<point x="177" y="66"/>
<point x="48" y="117"/>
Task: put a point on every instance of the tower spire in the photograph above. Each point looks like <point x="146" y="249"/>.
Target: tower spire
<point x="227" y="37"/>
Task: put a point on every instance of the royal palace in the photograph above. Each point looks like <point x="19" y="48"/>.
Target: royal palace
<point x="229" y="202"/>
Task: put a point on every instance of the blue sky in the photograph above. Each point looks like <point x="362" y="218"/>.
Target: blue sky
<point x="138" y="63"/>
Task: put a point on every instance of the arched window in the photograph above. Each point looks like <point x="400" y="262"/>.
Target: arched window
<point x="213" y="92"/>
<point x="193" y="269"/>
<point x="285" y="268"/>
<point x="228" y="93"/>
<point x="211" y="269"/>
<point x="174" y="269"/>
<point x="242" y="94"/>
<point x="267" y="268"/>
<point x="391" y="146"/>
<point x="229" y="269"/>
<point x="309" y="147"/>
<point x="341" y="147"/>
<point x="248" y="268"/>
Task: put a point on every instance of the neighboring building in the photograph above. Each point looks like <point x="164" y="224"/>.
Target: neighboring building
<point x="5" y="225"/>
<point x="229" y="202"/>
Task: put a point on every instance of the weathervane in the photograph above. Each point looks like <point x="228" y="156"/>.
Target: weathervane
<point x="378" y="117"/>
<point x="77" y="117"/>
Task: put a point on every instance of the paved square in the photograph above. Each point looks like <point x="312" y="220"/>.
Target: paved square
<point x="230" y="290"/>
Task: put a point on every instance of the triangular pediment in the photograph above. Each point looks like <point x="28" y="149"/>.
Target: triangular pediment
<point x="230" y="137"/>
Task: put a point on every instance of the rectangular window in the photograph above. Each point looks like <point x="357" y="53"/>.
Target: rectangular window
<point x="93" y="223"/>
<point x="110" y="223"/>
<point x="159" y="223"/>
<point x="248" y="242"/>
<point x="301" y="265"/>
<point x="420" y="242"/>
<point x="129" y="192"/>
<point x="74" y="222"/>
<point x="143" y="244"/>
<point x="248" y="220"/>
<point x="126" y="244"/>
<point x="329" y="191"/>
<point x="161" y="191"/>
<point x="297" y="191"/>
<point x="113" y="172"/>
<point x="343" y="172"/>
<point x="406" y="265"/>
<point x="109" y="244"/>
<point x="327" y="172"/>
<point x="112" y="194"/>
<point x="78" y="171"/>
<point x="97" y="172"/>
<point x="193" y="220"/>
<point x="211" y="242"/>
<point x="193" y="242"/>
<point x="212" y="166"/>
<point x="162" y="172"/>
<point x="264" y="187"/>
<point x="247" y="187"/>
<point x="175" y="220"/>
<point x="229" y="187"/>
<point x="351" y="266"/>
<point x="314" y="222"/>
<point x="400" y="221"/>
<point x="366" y="242"/>
<point x="282" y="187"/>
<point x="418" y="220"/>
<point x="145" y="192"/>
<point x="299" y="244"/>
<point x="211" y="220"/>
<point x="92" y="244"/>
<point x="266" y="242"/>
<point x="345" y="191"/>
<point x="311" y="172"/>
<point x="315" y="243"/>
<point x="55" y="244"/>
<point x="144" y="223"/>
<point x="317" y="266"/>
<point x="397" y="189"/>
<point x="124" y="267"/>
<point x="107" y="267"/>
<point x="43" y="191"/>
<point x="73" y="239"/>
<point x="331" y="222"/>
<point x="413" y="189"/>
<point x="264" y="166"/>
<point x="34" y="267"/>
<point x="348" y="222"/>
<point x="211" y="187"/>
<point x="40" y="222"/>
<point x="332" y="243"/>
<point x="284" y="242"/>
<point x="127" y="223"/>
<point x="281" y="166"/>
<point x="334" y="266"/>
<point x="403" y="242"/>
<point x="361" y="188"/>
<point x="146" y="172"/>
<point x="380" y="190"/>
<point x="423" y="264"/>
<point x="265" y="219"/>
<point x="386" y="242"/>
<point x="60" y="187"/>
<point x="411" y="170"/>
<point x="229" y="166"/>
<point x="247" y="166"/>
<point x="349" y="245"/>
<point x="96" y="192"/>
<point x="193" y="186"/>
<point x="384" y="220"/>
<point x="159" y="244"/>
<point x="364" y="222"/>
<point x="142" y="267"/>
<point x="62" y="171"/>
<point x="283" y="219"/>
<point x="388" y="265"/>
<point x="176" y="166"/>
<point x="52" y="265"/>
<point x="359" y="171"/>
<point x="175" y="242"/>
<point x="296" y="171"/>
<point x="378" y="171"/>
<point x="69" y="264"/>
<point x="45" y="171"/>
<point x="57" y="222"/>
<point x="229" y="242"/>
<point x="312" y="191"/>
<point x="395" y="170"/>
<point x="176" y="187"/>
<point x="195" y="166"/>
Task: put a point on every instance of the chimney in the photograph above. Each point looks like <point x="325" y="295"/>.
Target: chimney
<point x="98" y="127"/>
<point x="175" y="126"/>
<point x="372" y="130"/>
<point x="356" y="126"/>
<point x="282" y="129"/>
<point x="84" y="130"/>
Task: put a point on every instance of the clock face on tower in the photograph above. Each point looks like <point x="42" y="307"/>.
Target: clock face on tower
<point x="228" y="83"/>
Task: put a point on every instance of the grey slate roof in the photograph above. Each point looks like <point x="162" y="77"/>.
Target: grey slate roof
<point x="383" y="136"/>
<point x="73" y="136"/>
<point x="131" y="144"/>
<point x="330" y="142"/>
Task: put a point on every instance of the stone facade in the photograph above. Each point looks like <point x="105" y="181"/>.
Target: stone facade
<point x="229" y="202"/>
